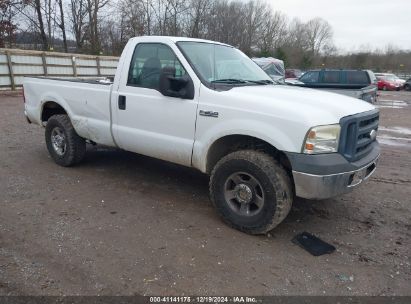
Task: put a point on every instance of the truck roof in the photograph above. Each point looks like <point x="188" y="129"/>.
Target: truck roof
<point x="176" y="39"/>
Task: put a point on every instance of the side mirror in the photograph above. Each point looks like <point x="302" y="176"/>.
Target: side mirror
<point x="173" y="86"/>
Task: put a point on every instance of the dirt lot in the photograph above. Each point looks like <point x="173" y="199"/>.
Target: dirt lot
<point x="125" y="224"/>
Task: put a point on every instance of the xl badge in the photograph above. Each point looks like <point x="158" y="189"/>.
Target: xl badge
<point x="373" y="135"/>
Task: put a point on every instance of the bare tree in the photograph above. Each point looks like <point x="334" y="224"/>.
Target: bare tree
<point x="133" y="17"/>
<point x="177" y="9"/>
<point x="7" y="24"/>
<point x="197" y="16"/>
<point x="61" y="25"/>
<point x="297" y="35"/>
<point x="40" y="14"/>
<point x="250" y="25"/>
<point x="39" y="9"/>
<point x="226" y="22"/>
<point x="166" y="14"/>
<point x="254" y="16"/>
<point x="319" y="35"/>
<point x="93" y="8"/>
<point x="77" y="18"/>
<point x="273" y="32"/>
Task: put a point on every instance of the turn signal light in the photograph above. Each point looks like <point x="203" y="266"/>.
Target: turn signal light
<point x="309" y="147"/>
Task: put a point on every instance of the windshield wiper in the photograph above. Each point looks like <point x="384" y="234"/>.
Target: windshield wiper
<point x="229" y="80"/>
<point x="233" y="80"/>
<point x="264" y="81"/>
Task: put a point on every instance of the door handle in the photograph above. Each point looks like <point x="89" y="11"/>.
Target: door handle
<point x="122" y="102"/>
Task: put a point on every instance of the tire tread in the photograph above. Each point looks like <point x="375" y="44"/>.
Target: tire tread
<point x="76" y="145"/>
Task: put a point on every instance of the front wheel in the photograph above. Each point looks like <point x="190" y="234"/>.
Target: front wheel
<point x="251" y="191"/>
<point x="65" y="146"/>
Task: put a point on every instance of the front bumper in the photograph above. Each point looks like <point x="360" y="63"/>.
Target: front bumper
<point x="312" y="186"/>
<point x="323" y="176"/>
<point x="393" y="87"/>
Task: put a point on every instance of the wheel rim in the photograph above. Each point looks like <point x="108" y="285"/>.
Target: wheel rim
<point x="244" y="194"/>
<point x="58" y="141"/>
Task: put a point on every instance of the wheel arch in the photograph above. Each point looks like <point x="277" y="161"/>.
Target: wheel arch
<point x="235" y="142"/>
<point x="52" y="103"/>
<point x="50" y="108"/>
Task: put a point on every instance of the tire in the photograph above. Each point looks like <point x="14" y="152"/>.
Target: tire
<point x="384" y="88"/>
<point x="65" y="146"/>
<point x="271" y="198"/>
<point x="407" y="87"/>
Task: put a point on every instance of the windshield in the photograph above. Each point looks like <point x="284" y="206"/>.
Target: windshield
<point x="215" y="63"/>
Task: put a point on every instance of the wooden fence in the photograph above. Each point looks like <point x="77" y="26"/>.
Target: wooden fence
<point x="15" y="64"/>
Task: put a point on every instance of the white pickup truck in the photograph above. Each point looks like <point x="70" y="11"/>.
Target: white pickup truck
<point x="206" y="105"/>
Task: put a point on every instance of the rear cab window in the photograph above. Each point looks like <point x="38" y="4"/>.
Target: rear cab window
<point x="310" y="77"/>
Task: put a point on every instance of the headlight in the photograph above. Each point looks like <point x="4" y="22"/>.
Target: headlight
<point x="322" y="139"/>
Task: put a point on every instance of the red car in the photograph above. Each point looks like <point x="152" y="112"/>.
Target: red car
<point x="388" y="82"/>
<point x="293" y="73"/>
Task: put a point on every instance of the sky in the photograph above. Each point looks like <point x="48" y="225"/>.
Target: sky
<point x="357" y="24"/>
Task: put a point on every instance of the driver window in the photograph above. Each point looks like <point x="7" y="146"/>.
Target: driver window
<point x="147" y="62"/>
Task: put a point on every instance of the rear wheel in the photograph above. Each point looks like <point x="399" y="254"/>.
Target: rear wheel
<point x="407" y="87"/>
<point x="65" y="146"/>
<point x="251" y="191"/>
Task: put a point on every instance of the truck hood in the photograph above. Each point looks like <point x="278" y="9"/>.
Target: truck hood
<point x="312" y="105"/>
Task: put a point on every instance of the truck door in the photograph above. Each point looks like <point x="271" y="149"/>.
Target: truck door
<point x="144" y="120"/>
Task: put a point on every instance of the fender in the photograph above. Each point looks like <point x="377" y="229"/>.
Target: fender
<point x="79" y="123"/>
<point x="258" y="129"/>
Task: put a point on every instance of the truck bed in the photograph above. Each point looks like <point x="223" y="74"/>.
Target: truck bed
<point x="92" y="80"/>
<point x="367" y="93"/>
<point x="89" y="101"/>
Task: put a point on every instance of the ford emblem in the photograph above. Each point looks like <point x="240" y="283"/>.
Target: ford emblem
<point x="373" y="135"/>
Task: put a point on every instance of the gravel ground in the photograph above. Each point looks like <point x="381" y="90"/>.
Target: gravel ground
<point x="125" y="224"/>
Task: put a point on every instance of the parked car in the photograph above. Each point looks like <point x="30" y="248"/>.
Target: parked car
<point x="273" y="67"/>
<point x="389" y="82"/>
<point x="407" y="85"/>
<point x="361" y="84"/>
<point x="206" y="105"/>
<point x="293" y="73"/>
<point x="400" y="81"/>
